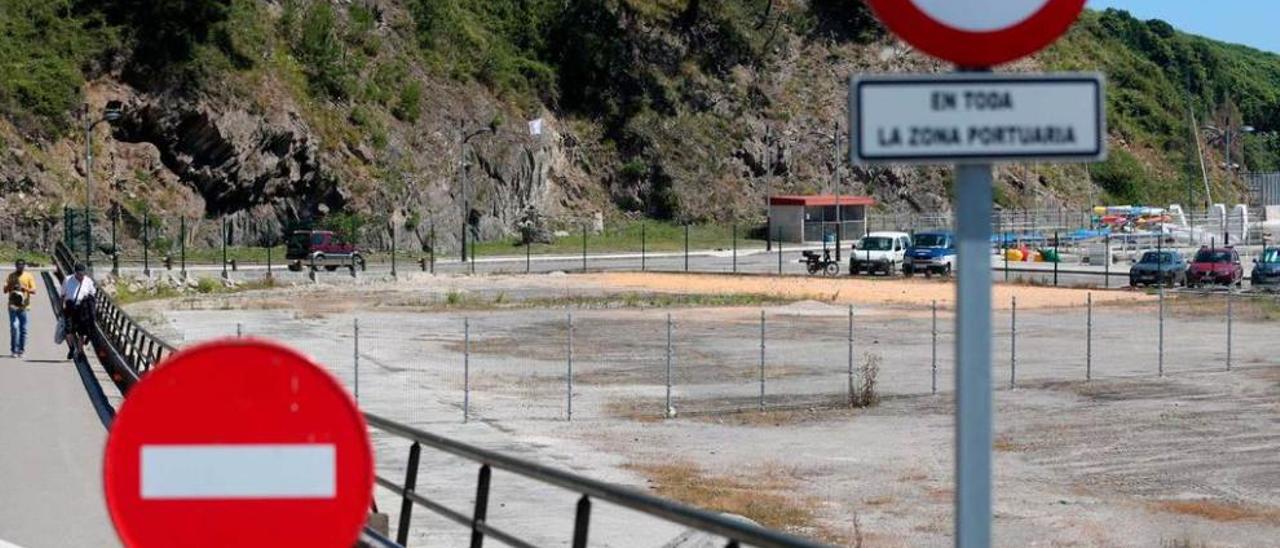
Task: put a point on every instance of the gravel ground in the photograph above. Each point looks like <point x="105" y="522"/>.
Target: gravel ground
<point x="1128" y="459"/>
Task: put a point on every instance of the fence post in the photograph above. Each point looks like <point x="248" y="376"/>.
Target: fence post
<point x="224" y="248"/>
<point x="393" y="249"/>
<point x="432" y="245"/>
<point x="182" y="244"/>
<point x="115" y="246"/>
<point x="1004" y="248"/>
<point x="406" y="504"/>
<point x="569" y="375"/>
<point x="850" y="349"/>
<point x="1106" y="261"/>
<point x="269" y="273"/>
<point x="1230" y="318"/>
<point x="466" y="370"/>
<point x="474" y="241"/>
<point x="779" y="255"/>
<point x="355" y="356"/>
<point x="642" y="246"/>
<point x="669" y="412"/>
<point x="735" y="247"/>
<point x="1088" y="339"/>
<point x="528" y="255"/>
<point x="146" y="245"/>
<point x="239" y="330"/>
<point x="1057" y="258"/>
<point x="686" y="247"/>
<point x="934" y="359"/>
<point x="584" y="247"/>
<point x="762" y="360"/>
<point x="1013" y="343"/>
<point x="1160" y="349"/>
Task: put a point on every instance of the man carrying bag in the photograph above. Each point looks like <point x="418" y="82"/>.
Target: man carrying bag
<point x="78" y="297"/>
<point x="19" y="286"/>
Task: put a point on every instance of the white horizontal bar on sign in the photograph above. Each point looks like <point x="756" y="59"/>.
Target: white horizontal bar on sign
<point x="238" y="471"/>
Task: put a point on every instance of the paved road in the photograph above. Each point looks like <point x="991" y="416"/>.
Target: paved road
<point x="748" y="260"/>
<point x="50" y="447"/>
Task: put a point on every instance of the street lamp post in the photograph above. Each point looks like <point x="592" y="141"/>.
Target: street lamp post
<point x="1228" y="136"/>
<point x="111" y="113"/>
<point x="465" y="138"/>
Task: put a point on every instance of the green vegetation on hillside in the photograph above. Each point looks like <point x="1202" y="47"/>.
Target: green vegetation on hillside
<point x="1157" y="78"/>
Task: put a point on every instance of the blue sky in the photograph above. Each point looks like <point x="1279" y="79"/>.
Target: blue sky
<point x="1251" y="22"/>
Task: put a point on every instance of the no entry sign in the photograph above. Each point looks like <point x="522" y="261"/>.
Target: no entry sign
<point x="238" y="443"/>
<point x="978" y="33"/>
<point x="975" y="117"/>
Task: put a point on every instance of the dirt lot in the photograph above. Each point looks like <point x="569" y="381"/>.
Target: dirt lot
<point x="1127" y="459"/>
<point x="848" y="290"/>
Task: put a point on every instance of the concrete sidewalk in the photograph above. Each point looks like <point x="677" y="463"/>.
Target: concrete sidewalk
<point x="51" y="443"/>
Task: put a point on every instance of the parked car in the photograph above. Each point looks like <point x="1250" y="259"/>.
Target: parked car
<point x="1266" y="269"/>
<point x="1159" y="267"/>
<point x="320" y="248"/>
<point x="930" y="253"/>
<point x="879" y="252"/>
<point x="1215" y="265"/>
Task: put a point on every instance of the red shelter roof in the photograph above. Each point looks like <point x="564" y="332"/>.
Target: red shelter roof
<point x="821" y="200"/>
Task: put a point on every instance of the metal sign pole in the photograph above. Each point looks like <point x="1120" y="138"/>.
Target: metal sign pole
<point x="973" y="356"/>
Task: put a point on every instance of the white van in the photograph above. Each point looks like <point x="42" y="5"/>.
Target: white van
<point x="879" y="252"/>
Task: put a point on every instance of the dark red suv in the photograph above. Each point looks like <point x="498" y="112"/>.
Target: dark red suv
<point x="320" y="248"/>
<point x="1220" y="266"/>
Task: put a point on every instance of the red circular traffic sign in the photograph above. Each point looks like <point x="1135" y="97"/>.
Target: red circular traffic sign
<point x="978" y="33"/>
<point x="238" y="443"/>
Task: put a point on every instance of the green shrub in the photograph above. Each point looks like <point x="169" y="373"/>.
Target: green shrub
<point x="322" y="54"/>
<point x="1121" y="176"/>
<point x="409" y="106"/>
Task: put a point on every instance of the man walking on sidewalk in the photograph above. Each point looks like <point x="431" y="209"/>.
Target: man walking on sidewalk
<point x="78" y="297"/>
<point x="19" y="286"/>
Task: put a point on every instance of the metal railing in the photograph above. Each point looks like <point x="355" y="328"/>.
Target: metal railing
<point x="122" y="343"/>
<point x="737" y="533"/>
<point x="124" y="347"/>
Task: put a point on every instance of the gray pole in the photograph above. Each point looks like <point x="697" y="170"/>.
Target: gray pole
<point x="1230" y="318"/>
<point x="569" y="376"/>
<point x="762" y="360"/>
<point x="584" y="247"/>
<point x="355" y="355"/>
<point x="88" y="188"/>
<point x="1088" y="339"/>
<point x="239" y="330"/>
<point x="115" y="246"/>
<point x="393" y="249"/>
<point x="850" y="341"/>
<point x="466" y="369"/>
<point x="973" y="355"/>
<point x="1013" y="343"/>
<point x="934" y="360"/>
<point x="668" y="412"/>
<point x="835" y="139"/>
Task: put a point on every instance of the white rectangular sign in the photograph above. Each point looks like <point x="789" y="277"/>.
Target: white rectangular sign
<point x="238" y="471"/>
<point x="977" y="118"/>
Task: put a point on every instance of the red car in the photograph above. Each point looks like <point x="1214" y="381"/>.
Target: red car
<point x="1220" y="266"/>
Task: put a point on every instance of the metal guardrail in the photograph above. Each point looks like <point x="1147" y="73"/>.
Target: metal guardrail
<point x="121" y="343"/>
<point x="126" y="348"/>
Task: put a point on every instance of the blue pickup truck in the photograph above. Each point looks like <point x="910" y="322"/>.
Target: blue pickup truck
<point x="931" y="253"/>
